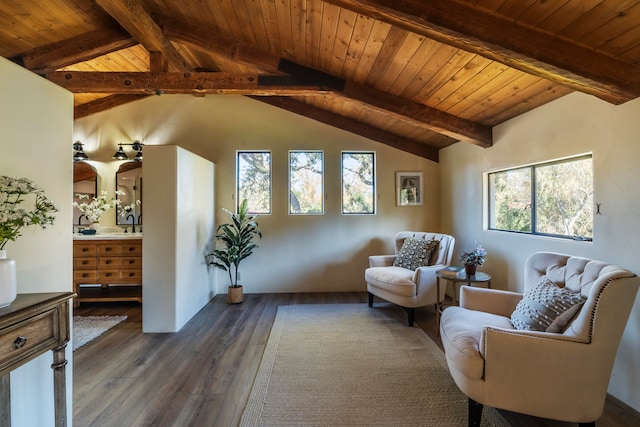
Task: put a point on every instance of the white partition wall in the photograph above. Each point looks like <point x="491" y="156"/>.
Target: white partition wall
<point x="178" y="200"/>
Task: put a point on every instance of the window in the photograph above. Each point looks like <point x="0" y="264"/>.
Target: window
<point x="254" y="180"/>
<point x="554" y="199"/>
<point x="358" y="183"/>
<point x="306" y="178"/>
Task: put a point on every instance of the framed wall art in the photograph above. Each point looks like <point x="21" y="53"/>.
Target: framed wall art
<point x="409" y="188"/>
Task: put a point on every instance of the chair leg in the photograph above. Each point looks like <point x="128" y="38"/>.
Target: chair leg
<point x="370" y="299"/>
<point x="411" y="312"/>
<point x="475" y="413"/>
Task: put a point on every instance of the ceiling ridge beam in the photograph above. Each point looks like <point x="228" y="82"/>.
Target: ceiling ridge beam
<point x="353" y="126"/>
<point x="132" y="16"/>
<point x="519" y="47"/>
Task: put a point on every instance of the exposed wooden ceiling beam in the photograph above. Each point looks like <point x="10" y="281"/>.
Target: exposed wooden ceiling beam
<point x="159" y="83"/>
<point x="352" y="126"/>
<point x="418" y="114"/>
<point x="514" y="45"/>
<point x="103" y="104"/>
<point x="210" y="41"/>
<point x="407" y="111"/>
<point x="134" y="18"/>
<point x="78" y="49"/>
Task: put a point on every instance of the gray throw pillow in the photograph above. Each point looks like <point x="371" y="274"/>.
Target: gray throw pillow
<point x="546" y="307"/>
<point x="415" y="253"/>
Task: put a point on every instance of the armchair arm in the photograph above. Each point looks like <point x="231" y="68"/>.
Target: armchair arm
<point x="425" y="277"/>
<point x="522" y="366"/>
<point x="381" y="260"/>
<point x="493" y="301"/>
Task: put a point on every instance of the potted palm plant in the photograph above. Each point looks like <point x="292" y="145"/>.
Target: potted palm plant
<point x="237" y="244"/>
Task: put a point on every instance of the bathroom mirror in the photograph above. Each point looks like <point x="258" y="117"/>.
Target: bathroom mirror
<point x="129" y="181"/>
<point x="85" y="181"/>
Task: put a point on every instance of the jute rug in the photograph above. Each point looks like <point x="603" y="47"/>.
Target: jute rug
<point x="88" y="328"/>
<point x="352" y="365"/>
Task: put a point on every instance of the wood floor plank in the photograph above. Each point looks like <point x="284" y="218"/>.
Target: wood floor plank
<point x="202" y="375"/>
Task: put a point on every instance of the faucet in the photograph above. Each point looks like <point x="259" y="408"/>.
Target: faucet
<point x="133" y="222"/>
<point x="80" y="219"/>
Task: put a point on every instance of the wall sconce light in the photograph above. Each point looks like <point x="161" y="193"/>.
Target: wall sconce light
<point x="79" y="154"/>
<point x="121" y="155"/>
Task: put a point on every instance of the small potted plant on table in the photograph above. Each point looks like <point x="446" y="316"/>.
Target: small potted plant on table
<point x="472" y="259"/>
<point x="237" y="244"/>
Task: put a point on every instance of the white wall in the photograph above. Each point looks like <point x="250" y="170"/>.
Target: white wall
<point x="296" y="253"/>
<point x="176" y="280"/>
<point x="569" y="126"/>
<point x="36" y="119"/>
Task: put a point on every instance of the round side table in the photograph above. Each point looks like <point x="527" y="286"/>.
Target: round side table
<point x="479" y="277"/>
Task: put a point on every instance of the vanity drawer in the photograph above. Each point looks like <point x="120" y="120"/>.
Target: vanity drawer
<point x="109" y="262"/>
<point x="88" y="276"/>
<point x="88" y="263"/>
<point x="131" y="249"/>
<point x="109" y="249"/>
<point x="84" y="249"/>
<point x="132" y="262"/>
<point x="104" y="276"/>
<point x="131" y="276"/>
<point x="25" y="336"/>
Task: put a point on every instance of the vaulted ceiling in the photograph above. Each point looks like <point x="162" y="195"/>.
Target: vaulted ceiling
<point x="416" y="75"/>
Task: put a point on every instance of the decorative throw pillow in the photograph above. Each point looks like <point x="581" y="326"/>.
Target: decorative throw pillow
<point x="546" y="307"/>
<point x="415" y="253"/>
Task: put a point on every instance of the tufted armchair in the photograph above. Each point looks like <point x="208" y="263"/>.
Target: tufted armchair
<point x="406" y="287"/>
<point x="560" y="375"/>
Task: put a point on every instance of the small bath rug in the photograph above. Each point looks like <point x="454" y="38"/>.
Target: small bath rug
<point x="88" y="328"/>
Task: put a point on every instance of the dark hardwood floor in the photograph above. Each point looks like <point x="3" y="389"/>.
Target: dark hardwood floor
<point x="202" y="375"/>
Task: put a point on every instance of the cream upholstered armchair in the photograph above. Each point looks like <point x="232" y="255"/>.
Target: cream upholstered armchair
<point x="408" y="278"/>
<point x="548" y="353"/>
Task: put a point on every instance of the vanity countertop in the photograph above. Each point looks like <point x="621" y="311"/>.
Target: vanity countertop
<point x="107" y="236"/>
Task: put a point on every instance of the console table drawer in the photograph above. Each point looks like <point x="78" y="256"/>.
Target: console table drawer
<point x="26" y="337"/>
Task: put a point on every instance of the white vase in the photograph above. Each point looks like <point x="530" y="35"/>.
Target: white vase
<point x="8" y="287"/>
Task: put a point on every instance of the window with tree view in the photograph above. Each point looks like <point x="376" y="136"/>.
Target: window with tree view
<point x="553" y="199"/>
<point x="254" y="180"/>
<point x="358" y="183"/>
<point x="306" y="177"/>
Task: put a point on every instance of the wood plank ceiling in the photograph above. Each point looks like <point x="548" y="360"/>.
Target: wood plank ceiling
<point x="416" y="75"/>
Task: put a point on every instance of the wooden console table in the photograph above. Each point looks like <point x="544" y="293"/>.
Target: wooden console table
<point x="32" y="325"/>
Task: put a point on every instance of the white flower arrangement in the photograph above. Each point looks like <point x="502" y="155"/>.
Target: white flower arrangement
<point x="13" y="192"/>
<point x="125" y="210"/>
<point x="94" y="209"/>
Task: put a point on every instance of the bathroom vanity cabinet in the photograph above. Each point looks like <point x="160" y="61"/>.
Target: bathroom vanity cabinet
<point x="107" y="268"/>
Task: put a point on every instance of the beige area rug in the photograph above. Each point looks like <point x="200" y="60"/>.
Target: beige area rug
<point x="88" y="328"/>
<point x="352" y="365"/>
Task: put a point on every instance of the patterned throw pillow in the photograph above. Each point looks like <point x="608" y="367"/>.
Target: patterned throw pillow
<point x="546" y="307"/>
<point x="415" y="253"/>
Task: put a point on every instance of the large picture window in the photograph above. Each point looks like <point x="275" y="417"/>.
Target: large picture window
<point x="358" y="183"/>
<point x="306" y="179"/>
<point x="254" y="180"/>
<point x="554" y="199"/>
